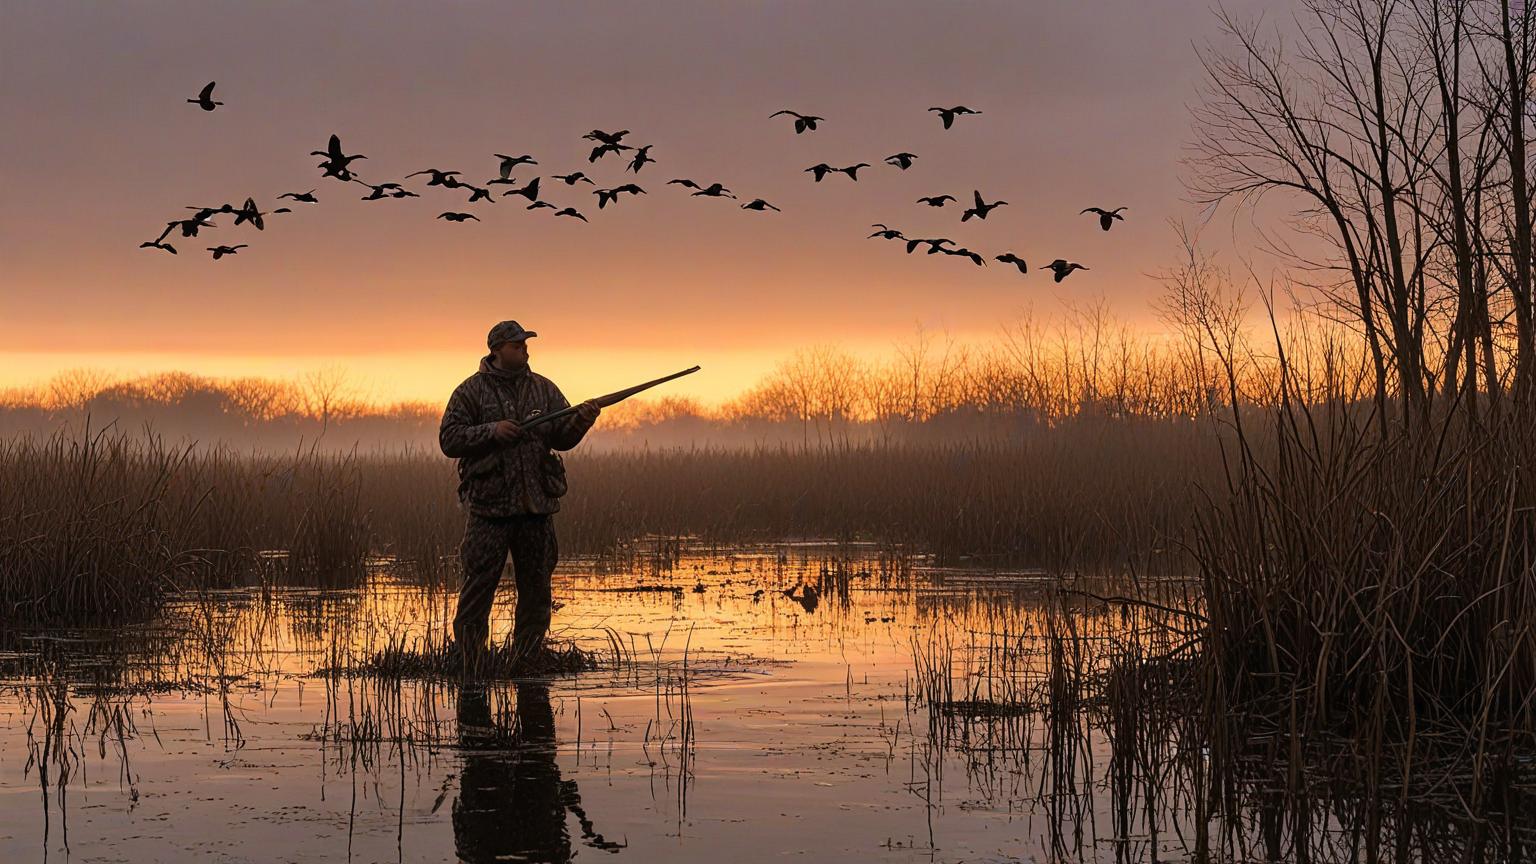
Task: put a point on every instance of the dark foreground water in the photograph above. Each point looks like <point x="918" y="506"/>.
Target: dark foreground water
<point x="790" y="702"/>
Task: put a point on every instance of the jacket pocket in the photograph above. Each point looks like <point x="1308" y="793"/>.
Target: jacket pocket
<point x="552" y="474"/>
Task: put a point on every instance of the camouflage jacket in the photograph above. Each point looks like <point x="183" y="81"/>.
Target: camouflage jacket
<point x="498" y="479"/>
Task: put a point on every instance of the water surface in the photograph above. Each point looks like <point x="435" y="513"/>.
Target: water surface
<point x="763" y="706"/>
<point x="791" y="701"/>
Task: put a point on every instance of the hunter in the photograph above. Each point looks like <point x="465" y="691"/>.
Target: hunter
<point x="510" y="483"/>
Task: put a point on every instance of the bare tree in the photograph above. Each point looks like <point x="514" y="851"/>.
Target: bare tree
<point x="262" y="399"/>
<point x="1397" y="140"/>
<point x="327" y="392"/>
<point x="73" y="389"/>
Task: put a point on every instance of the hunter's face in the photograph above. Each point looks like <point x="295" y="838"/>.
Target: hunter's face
<point x="512" y="355"/>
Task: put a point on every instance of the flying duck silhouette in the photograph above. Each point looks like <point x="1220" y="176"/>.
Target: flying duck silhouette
<point x="820" y="169"/>
<point x="1010" y="258"/>
<point x="713" y="190"/>
<point x="981" y="209"/>
<point x="221" y="251"/>
<point x="302" y="197"/>
<point x="606" y="195"/>
<point x="203" y="214"/>
<point x="948" y="114"/>
<point x="446" y="179"/>
<point x="642" y="157"/>
<point x="509" y="163"/>
<point x="386" y="190"/>
<point x="934" y="245"/>
<point x="333" y="169"/>
<point x="249" y="213"/>
<point x="605" y="137"/>
<point x="1106" y="217"/>
<point x="530" y="191"/>
<point x="936" y="200"/>
<point x="477" y="193"/>
<point x="1061" y="268"/>
<point x="901" y="160"/>
<point x="156" y="244"/>
<point x="572" y="212"/>
<point x="457" y="217"/>
<point x="337" y="164"/>
<point x="604" y="149"/>
<point x="962" y="251"/>
<point x="573" y="178"/>
<point x="853" y="170"/>
<point x="189" y="227"/>
<point x="204" y="98"/>
<point x="536" y="205"/>
<point x="803" y="122"/>
<point x="885" y="232"/>
<point x="759" y="205"/>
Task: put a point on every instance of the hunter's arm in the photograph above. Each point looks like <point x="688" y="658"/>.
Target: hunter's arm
<point x="461" y="435"/>
<point x="568" y="431"/>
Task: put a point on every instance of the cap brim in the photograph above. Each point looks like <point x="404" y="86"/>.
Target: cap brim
<point x="522" y="337"/>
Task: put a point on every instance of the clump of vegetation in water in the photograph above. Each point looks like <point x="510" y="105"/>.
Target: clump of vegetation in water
<point x="443" y="660"/>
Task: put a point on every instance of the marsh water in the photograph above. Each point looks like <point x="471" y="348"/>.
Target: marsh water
<point x="790" y="701"/>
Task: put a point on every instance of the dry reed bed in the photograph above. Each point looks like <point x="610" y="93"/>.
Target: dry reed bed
<point x="1104" y="717"/>
<point x="1382" y="578"/>
<point x="100" y="526"/>
<point x="1377" y="590"/>
<point x="96" y="527"/>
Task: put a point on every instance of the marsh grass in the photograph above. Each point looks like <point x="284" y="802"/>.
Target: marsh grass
<point x="1383" y="585"/>
<point x="103" y="526"/>
<point x="431" y="659"/>
<point x="1372" y="631"/>
<point x="1106" y="718"/>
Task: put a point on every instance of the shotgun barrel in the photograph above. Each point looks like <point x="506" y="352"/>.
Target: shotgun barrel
<point x="610" y="399"/>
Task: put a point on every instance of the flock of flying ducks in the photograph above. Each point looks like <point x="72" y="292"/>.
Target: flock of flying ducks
<point x="337" y="164"/>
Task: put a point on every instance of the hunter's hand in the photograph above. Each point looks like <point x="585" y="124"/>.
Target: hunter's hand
<point x="506" y="431"/>
<point x="588" y="410"/>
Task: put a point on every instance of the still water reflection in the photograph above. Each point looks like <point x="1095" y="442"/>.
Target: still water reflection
<point x="512" y="803"/>
<point x="752" y="704"/>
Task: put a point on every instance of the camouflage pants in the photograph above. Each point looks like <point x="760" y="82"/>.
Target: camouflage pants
<point x="531" y="541"/>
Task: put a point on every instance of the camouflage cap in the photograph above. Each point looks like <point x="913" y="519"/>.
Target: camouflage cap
<point x="507" y="331"/>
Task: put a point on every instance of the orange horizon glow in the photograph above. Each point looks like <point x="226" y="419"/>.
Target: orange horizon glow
<point x="416" y="376"/>
<point x="388" y="378"/>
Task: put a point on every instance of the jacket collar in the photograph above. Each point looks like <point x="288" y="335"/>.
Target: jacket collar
<point x="489" y="368"/>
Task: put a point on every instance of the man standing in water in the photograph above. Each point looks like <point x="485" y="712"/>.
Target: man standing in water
<point x="510" y="483"/>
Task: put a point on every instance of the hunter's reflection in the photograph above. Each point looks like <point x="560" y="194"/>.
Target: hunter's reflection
<point x="512" y="803"/>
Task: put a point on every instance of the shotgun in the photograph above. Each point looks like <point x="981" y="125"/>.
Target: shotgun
<point x="605" y="401"/>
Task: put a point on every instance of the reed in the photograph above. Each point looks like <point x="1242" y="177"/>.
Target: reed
<point x="432" y="658"/>
<point x="1376" y="591"/>
<point x="103" y="525"/>
<point x="100" y="526"/>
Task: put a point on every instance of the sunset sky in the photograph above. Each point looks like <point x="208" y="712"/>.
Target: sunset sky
<point x="1084" y="103"/>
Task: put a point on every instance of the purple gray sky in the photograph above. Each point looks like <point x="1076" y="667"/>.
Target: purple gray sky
<point x="1084" y="104"/>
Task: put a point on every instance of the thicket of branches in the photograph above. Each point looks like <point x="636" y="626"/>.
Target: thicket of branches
<point x="1396" y="133"/>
